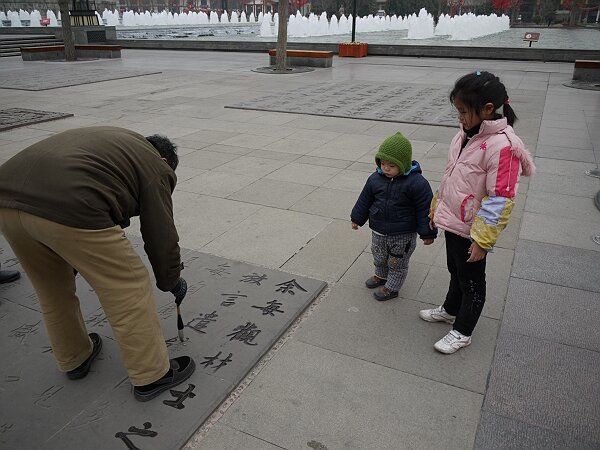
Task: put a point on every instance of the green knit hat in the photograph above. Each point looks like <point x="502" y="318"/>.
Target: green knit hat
<point x="397" y="150"/>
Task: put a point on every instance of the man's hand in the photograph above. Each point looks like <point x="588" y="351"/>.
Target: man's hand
<point x="427" y="241"/>
<point x="476" y="253"/>
<point x="179" y="291"/>
<point x="354" y="226"/>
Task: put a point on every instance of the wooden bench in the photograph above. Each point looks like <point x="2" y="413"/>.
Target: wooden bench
<point x="310" y="58"/>
<point x="586" y="70"/>
<point x="53" y="52"/>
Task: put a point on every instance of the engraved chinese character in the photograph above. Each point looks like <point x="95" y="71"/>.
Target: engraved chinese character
<point x="166" y="311"/>
<point x="5" y="427"/>
<point x="171" y="342"/>
<point x="198" y="323"/>
<point x="134" y="431"/>
<point x="97" y="319"/>
<point x="47" y="395"/>
<point x="288" y="287"/>
<point x="10" y="262"/>
<point x="254" y="278"/>
<point x="24" y="331"/>
<point x="231" y="298"/>
<point x="272" y="307"/>
<point x="195" y="287"/>
<point x="220" y="270"/>
<point x="245" y="333"/>
<point x="181" y="396"/>
<point x="210" y="360"/>
<point x="190" y="259"/>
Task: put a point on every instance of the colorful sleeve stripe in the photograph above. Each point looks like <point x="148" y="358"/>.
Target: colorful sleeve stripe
<point x="493" y="208"/>
<point x="508" y="172"/>
<point x="433" y="205"/>
<point x="490" y="220"/>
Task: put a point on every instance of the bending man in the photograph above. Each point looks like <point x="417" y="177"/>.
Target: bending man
<point x="64" y="202"/>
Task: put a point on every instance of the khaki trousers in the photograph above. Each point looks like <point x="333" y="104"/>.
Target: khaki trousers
<point x="48" y="253"/>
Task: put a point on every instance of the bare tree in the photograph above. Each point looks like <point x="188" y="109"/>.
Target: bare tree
<point x="70" y="54"/>
<point x="281" y="49"/>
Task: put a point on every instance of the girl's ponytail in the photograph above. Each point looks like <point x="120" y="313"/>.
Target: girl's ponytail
<point x="508" y="112"/>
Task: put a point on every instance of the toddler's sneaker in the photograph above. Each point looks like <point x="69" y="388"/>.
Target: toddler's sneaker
<point x="438" y="314"/>
<point x="452" y="342"/>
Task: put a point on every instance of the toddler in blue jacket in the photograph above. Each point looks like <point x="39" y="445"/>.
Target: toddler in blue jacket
<point x="396" y="200"/>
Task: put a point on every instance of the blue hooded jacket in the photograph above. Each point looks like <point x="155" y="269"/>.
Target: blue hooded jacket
<point x="396" y="205"/>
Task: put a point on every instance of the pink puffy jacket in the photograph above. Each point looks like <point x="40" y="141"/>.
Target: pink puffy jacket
<point x="476" y="194"/>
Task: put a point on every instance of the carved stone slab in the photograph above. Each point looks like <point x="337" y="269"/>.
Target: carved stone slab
<point x="38" y="79"/>
<point x="234" y="312"/>
<point x="410" y="103"/>
<point x="20" y="117"/>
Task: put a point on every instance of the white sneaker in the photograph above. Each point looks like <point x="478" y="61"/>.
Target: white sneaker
<point x="452" y="342"/>
<point x="438" y="314"/>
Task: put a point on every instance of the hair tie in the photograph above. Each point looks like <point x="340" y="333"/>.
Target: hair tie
<point x="507" y="102"/>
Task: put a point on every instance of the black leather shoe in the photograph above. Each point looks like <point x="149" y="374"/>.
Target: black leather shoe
<point x="181" y="369"/>
<point x="384" y="294"/>
<point x="84" y="368"/>
<point x="6" y="276"/>
<point x="374" y="282"/>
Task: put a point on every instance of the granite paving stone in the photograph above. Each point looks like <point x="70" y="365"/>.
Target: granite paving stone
<point x="337" y="149"/>
<point x="268" y="237"/>
<point x="328" y="162"/>
<point x="574" y="232"/>
<point x="297" y="390"/>
<point x="330" y="253"/>
<point x="502" y="433"/>
<point x="580" y="186"/>
<point x="566" y="153"/>
<point x="270" y="154"/>
<point x="224" y="436"/>
<point x="204" y="159"/>
<point x="348" y="180"/>
<point x="267" y="192"/>
<point x="391" y="333"/>
<point x="293" y="146"/>
<point x="566" y="402"/>
<point x="326" y="202"/>
<point x="542" y="310"/>
<point x="202" y="218"/>
<point x="310" y="174"/>
<point x="557" y="264"/>
<point x="249" y="166"/>
<point x="563" y="206"/>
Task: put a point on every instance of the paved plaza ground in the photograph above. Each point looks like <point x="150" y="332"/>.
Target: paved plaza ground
<point x="275" y="189"/>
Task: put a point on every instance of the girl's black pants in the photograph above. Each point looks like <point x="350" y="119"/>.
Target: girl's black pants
<point x="466" y="293"/>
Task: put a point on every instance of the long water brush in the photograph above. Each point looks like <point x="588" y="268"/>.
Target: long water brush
<point x="180" y="325"/>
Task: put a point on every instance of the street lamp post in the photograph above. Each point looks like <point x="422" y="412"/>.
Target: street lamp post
<point x="353" y="20"/>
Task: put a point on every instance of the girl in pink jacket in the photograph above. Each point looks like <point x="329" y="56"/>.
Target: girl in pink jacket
<point x="475" y="199"/>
